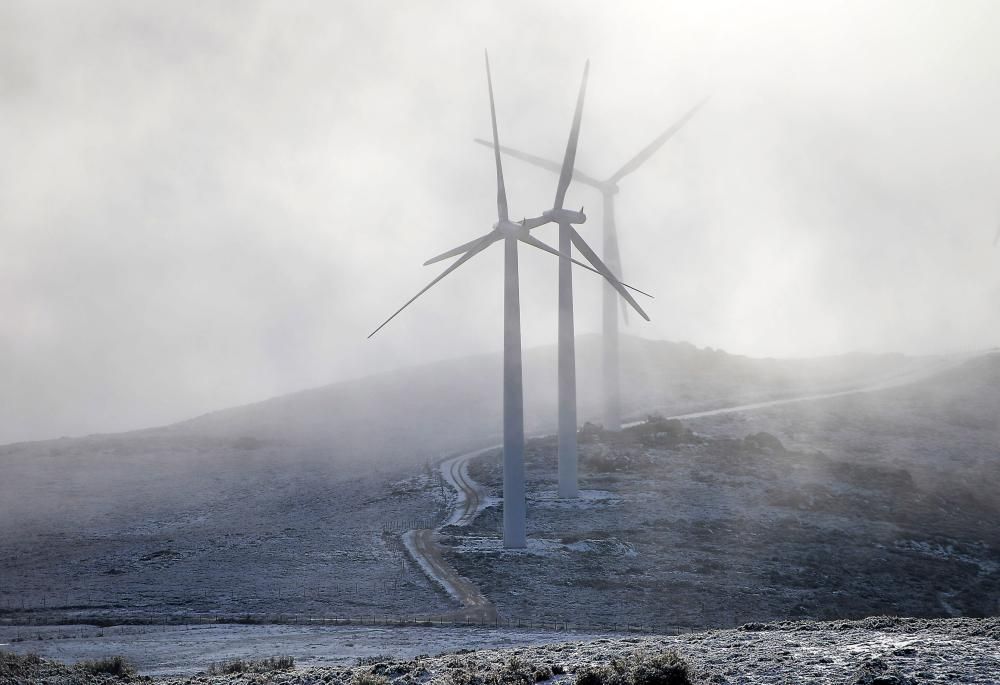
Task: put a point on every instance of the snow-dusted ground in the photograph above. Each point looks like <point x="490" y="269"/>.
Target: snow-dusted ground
<point x="258" y="539"/>
<point x="896" y="516"/>
<point x="898" y="651"/>
<point x="166" y="650"/>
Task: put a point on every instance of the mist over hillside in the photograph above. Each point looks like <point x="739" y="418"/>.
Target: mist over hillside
<point x="422" y="412"/>
<point x="299" y="503"/>
<point x="397" y="419"/>
<point x="401" y="418"/>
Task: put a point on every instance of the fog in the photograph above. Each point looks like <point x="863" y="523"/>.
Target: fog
<point x="203" y="206"/>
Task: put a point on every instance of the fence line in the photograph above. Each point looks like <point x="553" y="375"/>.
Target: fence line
<point x="374" y="619"/>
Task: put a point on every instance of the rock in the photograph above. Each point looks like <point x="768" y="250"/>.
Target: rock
<point x="877" y="672"/>
<point x="763" y="442"/>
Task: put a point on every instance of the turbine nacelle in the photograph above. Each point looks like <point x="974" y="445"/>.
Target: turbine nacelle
<point x="565" y="216"/>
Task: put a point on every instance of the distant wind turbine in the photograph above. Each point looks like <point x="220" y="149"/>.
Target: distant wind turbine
<point x="609" y="188"/>
<point x="514" y="508"/>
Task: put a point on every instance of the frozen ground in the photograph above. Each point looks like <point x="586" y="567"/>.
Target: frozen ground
<point x="882" y="651"/>
<point x="173" y="650"/>
<point x="897" y="514"/>
<point x="248" y="539"/>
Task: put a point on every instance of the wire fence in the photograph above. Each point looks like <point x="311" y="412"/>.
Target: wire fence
<point x="404" y="524"/>
<point x="33" y="619"/>
<point x="295" y="607"/>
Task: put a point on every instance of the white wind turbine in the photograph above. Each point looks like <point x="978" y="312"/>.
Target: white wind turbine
<point x="514" y="509"/>
<point x="568" y="237"/>
<point x="609" y="188"/>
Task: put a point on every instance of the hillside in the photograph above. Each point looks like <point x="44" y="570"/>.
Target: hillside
<point x="387" y="422"/>
<point x="296" y="504"/>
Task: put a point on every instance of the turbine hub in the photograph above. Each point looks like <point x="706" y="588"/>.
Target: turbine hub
<point x="508" y="229"/>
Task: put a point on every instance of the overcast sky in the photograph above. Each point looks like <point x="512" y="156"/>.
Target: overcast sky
<point x="206" y="204"/>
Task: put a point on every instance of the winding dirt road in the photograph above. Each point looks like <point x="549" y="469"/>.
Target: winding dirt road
<point x="423" y="546"/>
<point x="895" y="381"/>
<point x="471" y="495"/>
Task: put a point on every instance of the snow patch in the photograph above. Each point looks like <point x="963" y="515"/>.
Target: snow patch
<point x="609" y="548"/>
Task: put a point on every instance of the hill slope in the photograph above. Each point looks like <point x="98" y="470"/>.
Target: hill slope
<point x="387" y="422"/>
<point x="292" y="503"/>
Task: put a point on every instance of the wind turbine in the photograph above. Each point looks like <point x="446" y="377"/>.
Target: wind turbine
<point x="511" y="233"/>
<point x="608" y="189"/>
<point x="568" y="237"/>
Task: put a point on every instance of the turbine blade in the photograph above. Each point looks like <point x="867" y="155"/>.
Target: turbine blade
<point x="547" y="164"/>
<point x="458" y="250"/>
<point x="569" y="160"/>
<point x="534" y="242"/>
<point x="648" y="151"/>
<point x="462" y="260"/>
<point x="501" y="189"/>
<point x="585" y="250"/>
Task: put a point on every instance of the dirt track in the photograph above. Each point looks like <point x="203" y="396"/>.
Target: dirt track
<point x="422" y="543"/>
<point x="475" y="607"/>
<point x="471" y="495"/>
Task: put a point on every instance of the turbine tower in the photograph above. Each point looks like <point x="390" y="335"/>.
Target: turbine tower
<point x="514" y="508"/>
<point x="609" y="188"/>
